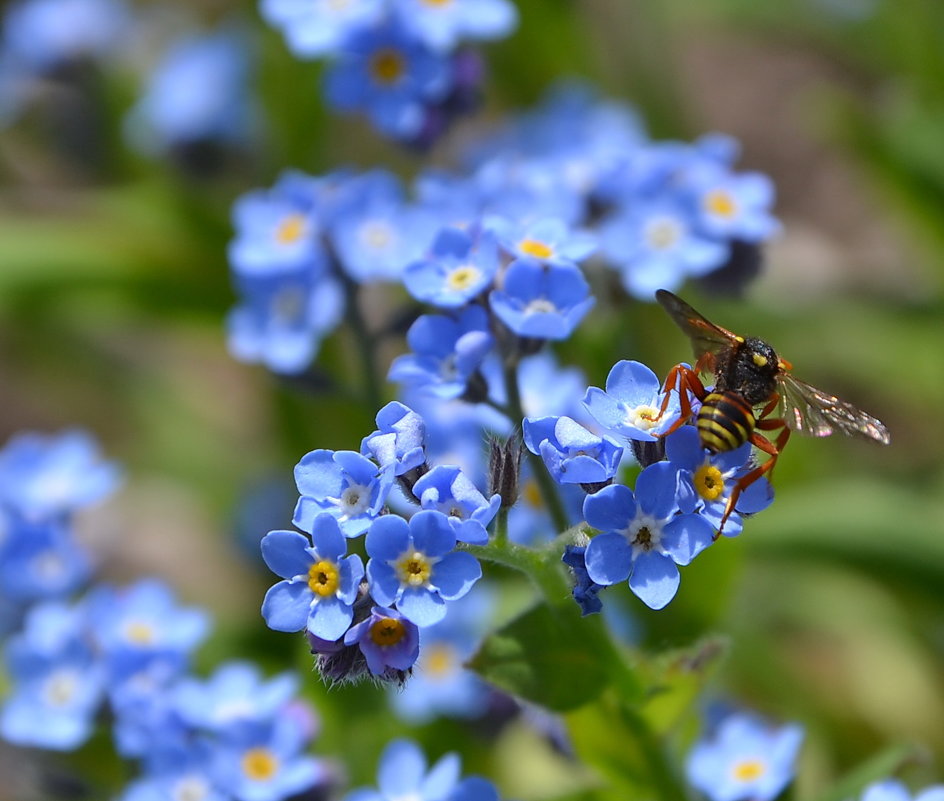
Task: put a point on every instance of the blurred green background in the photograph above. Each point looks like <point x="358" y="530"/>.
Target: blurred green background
<point x="114" y="284"/>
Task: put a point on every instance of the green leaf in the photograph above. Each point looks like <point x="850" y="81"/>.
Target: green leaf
<point x="886" y="763"/>
<point x="553" y="657"/>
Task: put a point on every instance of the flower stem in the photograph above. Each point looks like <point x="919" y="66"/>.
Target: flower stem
<point x="365" y="344"/>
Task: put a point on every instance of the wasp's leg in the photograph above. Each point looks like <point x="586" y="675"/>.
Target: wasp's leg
<point x="684" y="380"/>
<point x="773" y="449"/>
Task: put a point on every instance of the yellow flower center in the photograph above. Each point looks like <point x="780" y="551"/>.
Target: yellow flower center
<point x="291" y="229"/>
<point x="709" y="483"/>
<point x="387" y="631"/>
<point x="749" y="770"/>
<point x="387" y="66"/>
<point x="534" y="248"/>
<point x="531" y="494"/>
<point x="414" y="569"/>
<point x="323" y="578"/>
<point x="440" y="660"/>
<point x="463" y="277"/>
<point x="437" y="2"/>
<point x="260" y="764"/>
<point x="139" y="633"/>
<point x="720" y="203"/>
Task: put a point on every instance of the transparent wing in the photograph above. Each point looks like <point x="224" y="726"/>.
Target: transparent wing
<point x="812" y="411"/>
<point x="706" y="337"/>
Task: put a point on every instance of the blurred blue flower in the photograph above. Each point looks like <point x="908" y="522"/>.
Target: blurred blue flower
<point x="654" y="246"/>
<point x="571" y="453"/>
<point x="387" y="639"/>
<point x="57" y="680"/>
<point x="282" y="319"/>
<point x="42" y="476"/>
<point x="644" y="537"/>
<point x="314" y="28"/>
<point x="630" y="405"/>
<point x="185" y="772"/>
<point x="400" y="439"/>
<point x="732" y="206"/>
<point x="447" y="350"/>
<point x="40" y="559"/>
<point x="236" y="693"/>
<point x="146" y="721"/>
<point x="390" y="75"/>
<point x="894" y="790"/>
<point x="345" y="484"/>
<point x="706" y="480"/>
<point x="744" y="760"/>
<point x="278" y="229"/>
<point x="266" y="761"/>
<point x="546" y="388"/>
<point x="548" y="240"/>
<point x="458" y="268"/>
<point x="320" y="582"/>
<point x="45" y="34"/>
<point x="415" y="565"/>
<point x="543" y="301"/>
<point x="447" y="489"/>
<point x="198" y="92"/>
<point x="442" y="25"/>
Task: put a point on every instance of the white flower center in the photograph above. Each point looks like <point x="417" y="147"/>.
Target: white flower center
<point x="644" y="534"/>
<point x="60" y="687"/>
<point x="288" y="304"/>
<point x="642" y="417"/>
<point x="191" y="788"/>
<point x="663" y="233"/>
<point x="377" y="235"/>
<point x="540" y="306"/>
<point x="354" y="501"/>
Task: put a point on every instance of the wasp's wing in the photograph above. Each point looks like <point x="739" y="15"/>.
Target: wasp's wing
<point x="812" y="411"/>
<point x="706" y="337"/>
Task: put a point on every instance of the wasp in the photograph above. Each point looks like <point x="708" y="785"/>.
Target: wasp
<point x="749" y="374"/>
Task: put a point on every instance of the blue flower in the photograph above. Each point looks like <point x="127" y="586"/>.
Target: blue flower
<point x="548" y="240"/>
<point x="448" y="490"/>
<point x="43" y="476"/>
<point x="45" y="34"/>
<point x="403" y="773"/>
<point x="278" y="229"/>
<point x="732" y="206"/>
<point x="571" y="453"/>
<point x="457" y="269"/>
<point x="57" y="680"/>
<point x="585" y="588"/>
<point x="446" y="352"/>
<point x="197" y="93"/>
<point x="185" y="771"/>
<point x="343" y="483"/>
<point x="283" y="319"/>
<point x="415" y="565"/>
<point x="546" y="388"/>
<point x="387" y="639"/>
<point x="145" y="719"/>
<point x="267" y="761"/>
<point x="706" y="480"/>
<point x="744" y="760"/>
<point x="543" y="301"/>
<point x="443" y="25"/>
<point x="630" y="406"/>
<point x="400" y="439"/>
<point x="40" y="559"/>
<point x="320" y="584"/>
<point x="654" y="246"/>
<point x="894" y="790"/>
<point x="387" y="73"/>
<point x="644" y="537"/>
<point x="316" y="28"/>
<point x="236" y="693"/>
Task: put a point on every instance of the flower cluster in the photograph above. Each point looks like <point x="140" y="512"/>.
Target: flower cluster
<point x="679" y="503"/>
<point x="403" y="63"/>
<point x="499" y="249"/>
<point x="413" y="570"/>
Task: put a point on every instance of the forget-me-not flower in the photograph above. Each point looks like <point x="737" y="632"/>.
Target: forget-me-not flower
<point x="631" y="404"/>
<point x="443" y="25"/>
<point x="458" y="267"/>
<point x="447" y="489"/>
<point x="314" y="28"/>
<point x="894" y="790"/>
<point x="571" y="453"/>
<point x="388" y="640"/>
<point x="319" y="584"/>
<point x="400" y="439"/>
<point x="644" y="537"/>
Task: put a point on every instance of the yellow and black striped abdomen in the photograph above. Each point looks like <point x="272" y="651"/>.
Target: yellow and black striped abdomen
<point x="725" y="421"/>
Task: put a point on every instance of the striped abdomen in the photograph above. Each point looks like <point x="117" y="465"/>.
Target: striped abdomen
<point x="725" y="421"/>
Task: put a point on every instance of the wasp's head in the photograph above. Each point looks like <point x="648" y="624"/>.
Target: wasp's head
<point x="763" y="358"/>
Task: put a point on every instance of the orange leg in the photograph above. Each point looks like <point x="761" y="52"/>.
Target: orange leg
<point x="773" y="449"/>
<point x="684" y="380"/>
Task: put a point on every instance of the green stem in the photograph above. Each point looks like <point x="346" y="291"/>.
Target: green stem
<point x="501" y="526"/>
<point x="365" y="345"/>
<point x="544" y="481"/>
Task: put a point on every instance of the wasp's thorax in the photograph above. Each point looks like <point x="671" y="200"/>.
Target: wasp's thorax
<point x="750" y="370"/>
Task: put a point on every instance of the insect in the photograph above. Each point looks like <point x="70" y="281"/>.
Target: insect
<point x="748" y="373"/>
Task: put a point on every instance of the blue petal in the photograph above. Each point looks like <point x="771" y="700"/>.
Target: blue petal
<point x="402" y="766"/>
<point x="286" y="606"/>
<point x="683" y="448"/>
<point x="441" y="779"/>
<point x="422" y="607"/>
<point x="351" y="573"/>
<point x="330" y="618"/>
<point x="317" y="475"/>
<point x="609" y="559"/>
<point x="286" y="553"/>
<point x="632" y="383"/>
<point x="610" y="509"/>
<point x="655" y="579"/>
<point x="431" y="532"/>
<point x="455" y="573"/>
<point x="657" y="490"/>
<point x="686" y="536"/>
<point x="383" y="581"/>
<point x="388" y="537"/>
<point x="327" y="537"/>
